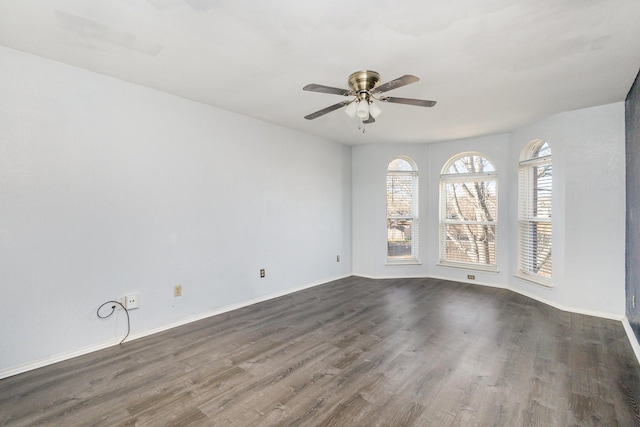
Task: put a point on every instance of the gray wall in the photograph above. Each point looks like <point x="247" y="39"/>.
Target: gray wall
<point x="632" y="113"/>
<point x="109" y="189"/>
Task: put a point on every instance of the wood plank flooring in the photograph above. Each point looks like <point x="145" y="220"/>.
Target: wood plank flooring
<point x="354" y="352"/>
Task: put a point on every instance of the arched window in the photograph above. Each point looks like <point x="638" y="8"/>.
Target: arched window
<point x="534" y="212"/>
<point x="468" y="212"/>
<point x="402" y="211"/>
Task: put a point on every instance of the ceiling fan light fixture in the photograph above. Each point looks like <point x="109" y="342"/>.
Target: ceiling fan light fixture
<point x="374" y="109"/>
<point x="351" y="109"/>
<point x="363" y="87"/>
<point x="362" y="110"/>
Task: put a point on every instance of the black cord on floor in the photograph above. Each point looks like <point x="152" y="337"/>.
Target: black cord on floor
<point x="113" y="309"/>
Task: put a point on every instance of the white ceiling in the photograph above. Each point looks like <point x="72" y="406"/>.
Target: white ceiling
<point x="492" y="65"/>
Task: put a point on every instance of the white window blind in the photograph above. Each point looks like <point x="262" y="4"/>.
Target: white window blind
<point x="402" y="211"/>
<point x="469" y="212"/>
<point x="534" y="213"/>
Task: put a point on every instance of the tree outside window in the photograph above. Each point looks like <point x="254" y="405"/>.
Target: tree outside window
<point x="469" y="209"/>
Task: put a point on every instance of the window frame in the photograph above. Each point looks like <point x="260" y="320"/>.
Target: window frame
<point x="527" y="219"/>
<point x="454" y="178"/>
<point x="414" y="216"/>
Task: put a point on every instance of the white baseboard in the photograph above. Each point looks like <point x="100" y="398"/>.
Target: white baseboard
<point x="632" y="337"/>
<point x="5" y="373"/>
<point x="232" y="307"/>
<point x="604" y="315"/>
<point x="470" y="282"/>
<point x="577" y="310"/>
<point x="100" y="346"/>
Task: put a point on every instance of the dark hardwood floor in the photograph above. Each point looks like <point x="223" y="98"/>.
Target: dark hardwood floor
<point x="354" y="352"/>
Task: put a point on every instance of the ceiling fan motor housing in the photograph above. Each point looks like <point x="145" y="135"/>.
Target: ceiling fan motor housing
<point x="363" y="81"/>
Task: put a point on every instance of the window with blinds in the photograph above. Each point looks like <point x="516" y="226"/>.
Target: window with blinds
<point x="402" y="211"/>
<point x="535" y="187"/>
<point x="469" y="212"/>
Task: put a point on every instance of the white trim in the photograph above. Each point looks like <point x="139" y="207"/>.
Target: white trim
<point x="601" y="314"/>
<point x="536" y="280"/>
<point x="468" y="266"/>
<point x="536" y="161"/>
<point x="632" y="337"/>
<point x="402" y="263"/>
<point x="471" y="282"/>
<point x="96" y="347"/>
<point x="611" y="316"/>
<point x="469" y="177"/>
<point x="56" y="358"/>
<point x="545" y="301"/>
<point x="101" y="346"/>
<point x="461" y="155"/>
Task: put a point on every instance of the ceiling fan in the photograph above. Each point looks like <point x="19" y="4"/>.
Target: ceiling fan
<point x="364" y="93"/>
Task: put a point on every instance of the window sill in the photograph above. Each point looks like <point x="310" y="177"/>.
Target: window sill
<point x="545" y="283"/>
<point x="468" y="267"/>
<point x="402" y="263"/>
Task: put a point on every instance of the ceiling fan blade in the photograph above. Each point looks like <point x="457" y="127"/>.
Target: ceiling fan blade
<point x="326" y="110"/>
<point x="369" y="120"/>
<point x="327" y="89"/>
<point x="409" y="101"/>
<point x="394" y="84"/>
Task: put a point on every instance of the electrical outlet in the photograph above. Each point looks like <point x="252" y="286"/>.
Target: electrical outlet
<point x="177" y="291"/>
<point x="471" y="277"/>
<point x="132" y="301"/>
<point x="262" y="272"/>
<point x="338" y="258"/>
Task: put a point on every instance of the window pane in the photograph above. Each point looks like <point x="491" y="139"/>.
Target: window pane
<point x="542" y="187"/>
<point x="471" y="201"/>
<point x="542" y="150"/>
<point x="469" y="211"/>
<point x="536" y="247"/>
<point x="471" y="243"/>
<point x="400" y="165"/>
<point x="399" y="195"/>
<point x="399" y="233"/>
<point x="402" y="211"/>
<point x="535" y="196"/>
